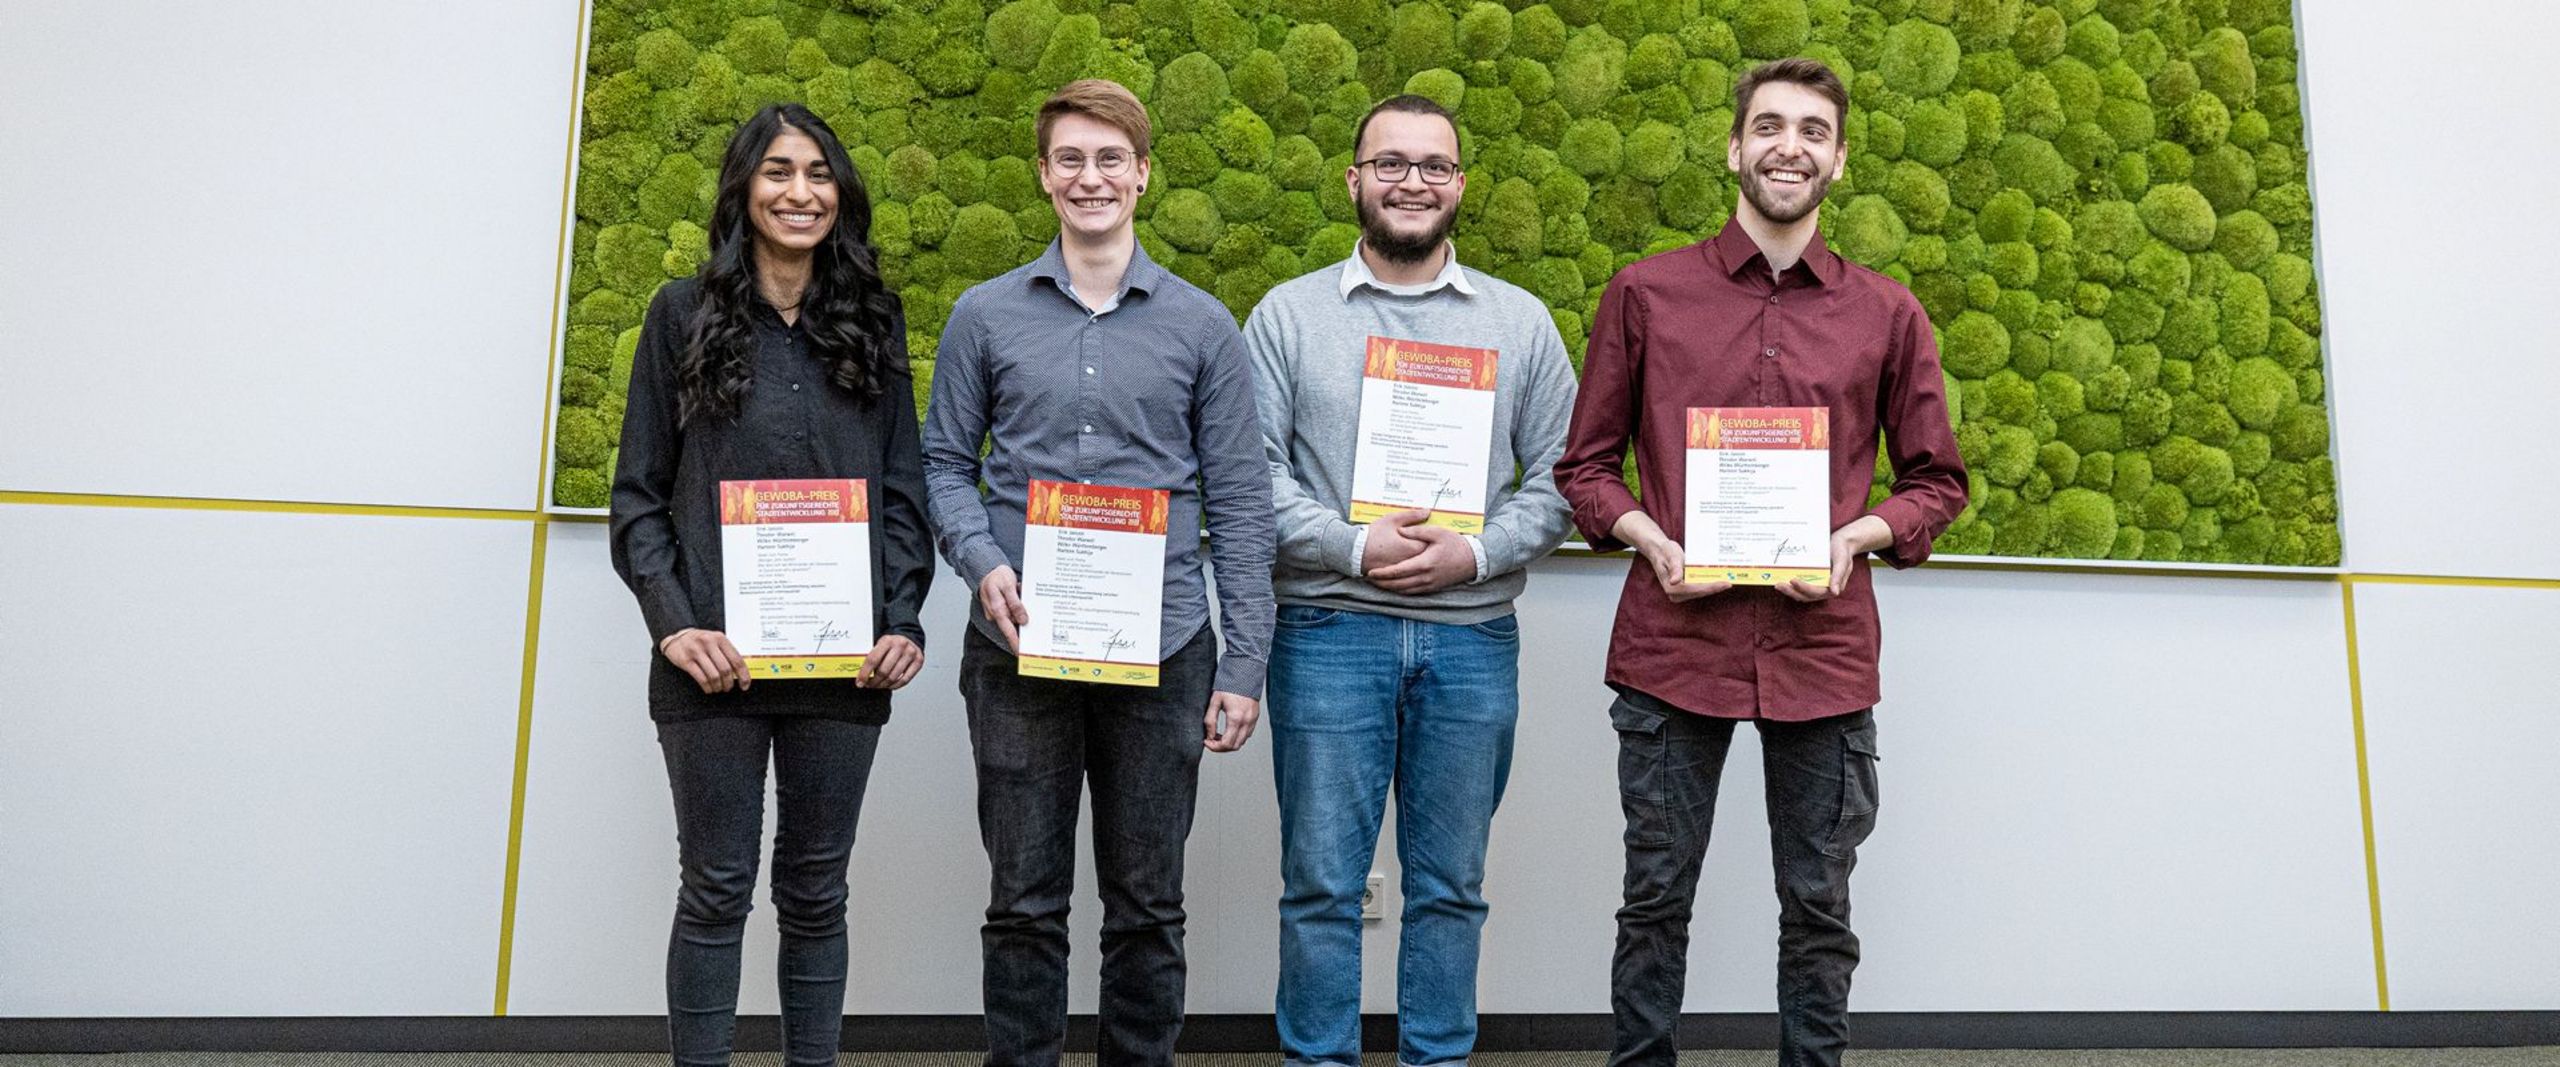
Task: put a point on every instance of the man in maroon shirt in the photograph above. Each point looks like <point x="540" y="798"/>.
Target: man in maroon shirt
<point x="1762" y="315"/>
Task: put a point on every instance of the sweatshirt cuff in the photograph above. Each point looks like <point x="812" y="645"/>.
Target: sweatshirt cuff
<point x="1343" y="544"/>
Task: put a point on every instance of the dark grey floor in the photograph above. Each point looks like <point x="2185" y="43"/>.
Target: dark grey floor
<point x="2502" y="1057"/>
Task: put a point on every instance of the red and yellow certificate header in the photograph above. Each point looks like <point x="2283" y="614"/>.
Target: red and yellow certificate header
<point x="1424" y="363"/>
<point x="794" y="500"/>
<point x="1077" y="505"/>
<point x="1787" y="429"/>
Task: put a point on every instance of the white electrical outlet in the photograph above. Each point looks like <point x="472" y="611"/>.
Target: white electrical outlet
<point x="1370" y="908"/>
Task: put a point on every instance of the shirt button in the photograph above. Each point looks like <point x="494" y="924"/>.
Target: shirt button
<point x="1771" y="352"/>
<point x="795" y="387"/>
<point x="1088" y="370"/>
<point x="1773" y="299"/>
<point x="1088" y="427"/>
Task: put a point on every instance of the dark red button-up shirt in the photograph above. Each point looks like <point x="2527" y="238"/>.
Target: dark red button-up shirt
<point x="1708" y="326"/>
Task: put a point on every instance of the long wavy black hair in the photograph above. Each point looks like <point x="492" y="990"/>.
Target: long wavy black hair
<point x="846" y="310"/>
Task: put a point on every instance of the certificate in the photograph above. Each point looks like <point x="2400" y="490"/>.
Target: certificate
<point x="795" y="566"/>
<point x="1758" y="505"/>
<point x="1426" y="432"/>
<point x="1093" y="583"/>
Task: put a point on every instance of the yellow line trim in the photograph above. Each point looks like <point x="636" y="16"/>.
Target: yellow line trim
<point x="551" y="369"/>
<point x="278" y="507"/>
<point x="541" y="527"/>
<point x="2464" y="581"/>
<point x="524" y="754"/>
<point x="2364" y="800"/>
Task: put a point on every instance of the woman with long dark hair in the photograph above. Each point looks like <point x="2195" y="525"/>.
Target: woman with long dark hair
<point x="784" y="357"/>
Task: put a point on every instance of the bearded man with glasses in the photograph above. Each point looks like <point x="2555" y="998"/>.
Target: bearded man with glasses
<point x="1396" y="661"/>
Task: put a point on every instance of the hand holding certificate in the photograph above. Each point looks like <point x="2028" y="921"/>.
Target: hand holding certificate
<point x="1426" y="433"/>
<point x="1757" y="509"/>
<point x="795" y="563"/>
<point x="1093" y="583"/>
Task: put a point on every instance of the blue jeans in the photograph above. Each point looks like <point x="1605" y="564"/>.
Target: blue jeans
<point x="1359" y="702"/>
<point x="716" y="769"/>
<point x="1821" y="784"/>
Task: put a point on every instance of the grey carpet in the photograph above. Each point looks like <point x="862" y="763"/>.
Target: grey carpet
<point x="2502" y="1057"/>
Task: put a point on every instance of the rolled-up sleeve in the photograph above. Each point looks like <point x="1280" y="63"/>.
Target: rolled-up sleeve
<point x="1928" y="476"/>
<point x="1592" y="472"/>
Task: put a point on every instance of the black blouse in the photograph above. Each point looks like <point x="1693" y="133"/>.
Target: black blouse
<point x="794" y="423"/>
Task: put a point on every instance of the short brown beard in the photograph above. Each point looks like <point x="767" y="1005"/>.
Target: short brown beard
<point x="1755" y="189"/>
<point x="1394" y="248"/>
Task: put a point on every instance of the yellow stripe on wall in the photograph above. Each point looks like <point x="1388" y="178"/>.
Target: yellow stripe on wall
<point x="524" y="757"/>
<point x="541" y="525"/>
<point x="2364" y="800"/>
<point x="277" y="507"/>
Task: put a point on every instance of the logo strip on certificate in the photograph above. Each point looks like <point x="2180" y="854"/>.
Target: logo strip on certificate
<point x="1093" y="583"/>
<point x="795" y="560"/>
<point x="1758" y="496"/>
<point x="1426" y="432"/>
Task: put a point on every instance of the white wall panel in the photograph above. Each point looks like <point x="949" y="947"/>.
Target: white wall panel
<point x="2459" y="733"/>
<point x="2115" y="793"/>
<point x="285" y="249"/>
<point x="2101" y="793"/>
<point x="598" y="876"/>
<point x="2438" y="327"/>
<point x="254" y="764"/>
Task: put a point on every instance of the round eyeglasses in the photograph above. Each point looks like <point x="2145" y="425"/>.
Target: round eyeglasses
<point x="1111" y="162"/>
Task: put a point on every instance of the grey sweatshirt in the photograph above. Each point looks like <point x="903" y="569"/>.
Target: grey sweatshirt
<point x="1308" y="339"/>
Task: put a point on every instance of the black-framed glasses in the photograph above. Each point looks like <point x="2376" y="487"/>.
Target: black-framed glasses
<point x="1112" y="162"/>
<point x="1391" y="169"/>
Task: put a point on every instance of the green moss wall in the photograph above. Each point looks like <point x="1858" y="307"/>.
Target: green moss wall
<point x="2101" y="203"/>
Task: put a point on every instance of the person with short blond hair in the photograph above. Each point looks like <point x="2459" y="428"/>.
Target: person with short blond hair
<point x="1094" y="364"/>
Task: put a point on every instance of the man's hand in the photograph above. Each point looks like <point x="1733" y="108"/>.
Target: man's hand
<point x="1239" y="713"/>
<point x="708" y="657"/>
<point x="1388" y="541"/>
<point x="1001" y="598"/>
<point x="1670" y="564"/>
<point x="1445" y="560"/>
<point x="892" y="663"/>
<point x="1864" y="534"/>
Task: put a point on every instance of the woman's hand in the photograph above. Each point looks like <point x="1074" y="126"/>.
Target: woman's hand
<point x="708" y="656"/>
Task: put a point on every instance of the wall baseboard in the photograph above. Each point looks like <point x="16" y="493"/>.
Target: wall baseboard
<point x="1253" y="1033"/>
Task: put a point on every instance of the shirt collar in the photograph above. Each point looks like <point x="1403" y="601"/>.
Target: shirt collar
<point x="1356" y="273"/>
<point x="1143" y="275"/>
<point x="1732" y="250"/>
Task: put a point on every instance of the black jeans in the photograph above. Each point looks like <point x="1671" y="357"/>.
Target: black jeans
<point x="716" y="767"/>
<point x="1037" y="741"/>
<point x="1822" y="804"/>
